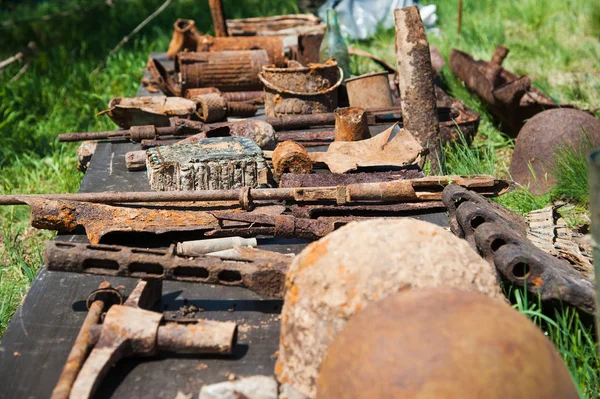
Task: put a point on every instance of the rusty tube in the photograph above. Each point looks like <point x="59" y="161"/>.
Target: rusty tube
<point x="291" y="157"/>
<point x="203" y="336"/>
<point x="218" y="16"/>
<point x="201" y="247"/>
<point x="351" y="124"/>
<point x="419" y="110"/>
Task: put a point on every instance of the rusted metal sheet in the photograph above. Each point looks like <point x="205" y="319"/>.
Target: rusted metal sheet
<point x="371" y="90"/>
<point x="270" y="25"/>
<point x="154" y="110"/>
<point x="503" y="243"/>
<point x="393" y="148"/>
<point x="351" y="124"/>
<point x="260" y="271"/>
<point x="225" y="70"/>
<point x="291" y="157"/>
<point x="543" y="138"/>
<point x="218" y="16"/>
<point x="131" y="330"/>
<point x="416" y="80"/>
<point x="301" y="90"/>
<point x="508" y="97"/>
<point x="435" y="343"/>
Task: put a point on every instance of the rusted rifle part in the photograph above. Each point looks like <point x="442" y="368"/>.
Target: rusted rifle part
<point x="292" y="157"/>
<point x="131" y="330"/>
<point x="508" y="97"/>
<point x="261" y="271"/>
<point x="218" y="16"/>
<point x="336" y="179"/>
<point x="345" y="213"/>
<point x="503" y="243"/>
<point x="351" y="124"/>
<point x="153" y="110"/>
<point x="185" y="37"/>
<point x="273" y="45"/>
<point x="98" y="302"/>
<point x="260" y="26"/>
<point x="413" y="58"/>
<point x="421" y="189"/>
<point x="225" y="70"/>
<point x="395" y="148"/>
<point x="177" y="128"/>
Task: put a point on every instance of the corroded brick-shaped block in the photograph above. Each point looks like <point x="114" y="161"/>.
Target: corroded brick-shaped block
<point x="210" y="164"/>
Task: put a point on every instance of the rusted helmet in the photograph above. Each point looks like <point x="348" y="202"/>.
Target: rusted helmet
<point x="442" y="343"/>
<point x="535" y="149"/>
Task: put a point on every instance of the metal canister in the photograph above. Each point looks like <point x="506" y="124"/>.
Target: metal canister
<point x="594" y="184"/>
<point x="351" y="124"/>
<point x="301" y="90"/>
<point x="371" y="90"/>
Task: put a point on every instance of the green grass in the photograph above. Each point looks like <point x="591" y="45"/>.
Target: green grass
<point x="554" y="41"/>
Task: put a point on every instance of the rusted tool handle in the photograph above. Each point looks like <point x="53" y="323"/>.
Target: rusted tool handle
<point x="201" y="336"/>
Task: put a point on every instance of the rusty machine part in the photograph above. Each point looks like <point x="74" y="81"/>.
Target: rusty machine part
<point x="253" y="97"/>
<point x="420" y="189"/>
<point x="371" y="90"/>
<point x="213" y="107"/>
<point x="261" y="26"/>
<point x="132" y="330"/>
<point x="442" y="343"/>
<point x="98" y="302"/>
<point x="301" y="90"/>
<point x="393" y="149"/>
<point x="273" y="45"/>
<point x="178" y="127"/>
<point x="417" y="91"/>
<point x="542" y="139"/>
<point x="335" y="179"/>
<point x="291" y="157"/>
<point x="502" y="242"/>
<point x="510" y="98"/>
<point x="217" y="11"/>
<point x="260" y="271"/>
<point x="338" y="276"/>
<point x="225" y="70"/>
<point x="351" y="124"/>
<point x="153" y="110"/>
<point x="185" y="37"/>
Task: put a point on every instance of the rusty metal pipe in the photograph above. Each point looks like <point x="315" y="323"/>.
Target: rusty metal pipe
<point x="203" y="336"/>
<point x="218" y="16"/>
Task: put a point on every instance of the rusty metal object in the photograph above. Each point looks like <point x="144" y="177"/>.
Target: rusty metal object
<point x="225" y="70"/>
<point x="371" y="90"/>
<point x="218" y="16"/>
<point x="420" y="189"/>
<point x="85" y="152"/>
<point x="273" y="45"/>
<point x="502" y="243"/>
<point x="442" y="343"/>
<point x="200" y="91"/>
<point x="260" y="271"/>
<point x="131" y="330"/>
<point x="419" y="113"/>
<point x="338" y="276"/>
<point x="162" y="79"/>
<point x="135" y="160"/>
<point x="154" y="110"/>
<point x="543" y="138"/>
<point x="394" y="148"/>
<point x="510" y="98"/>
<point x="261" y="26"/>
<point x="301" y="90"/>
<point x="177" y="128"/>
<point x="332" y="179"/>
<point x="309" y="43"/>
<point x="211" y="107"/>
<point x="185" y="37"/>
<point x="291" y="157"/>
<point x="351" y="124"/>
<point x="98" y="302"/>
<point x="202" y="247"/>
<point x="257" y="97"/>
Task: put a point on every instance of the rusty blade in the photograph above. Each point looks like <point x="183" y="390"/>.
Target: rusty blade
<point x="261" y="271"/>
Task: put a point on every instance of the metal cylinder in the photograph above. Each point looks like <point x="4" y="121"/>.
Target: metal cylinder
<point x="371" y="90"/>
<point x="218" y="16"/>
<point x="291" y="157"/>
<point x="203" y="336"/>
<point x="225" y="70"/>
<point x="201" y="247"/>
<point x="273" y="45"/>
<point x="594" y="183"/>
<point x="212" y="107"/>
<point x="351" y="124"/>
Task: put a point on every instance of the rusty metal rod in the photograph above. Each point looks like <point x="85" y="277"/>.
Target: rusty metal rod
<point x="400" y="190"/>
<point x="218" y="16"/>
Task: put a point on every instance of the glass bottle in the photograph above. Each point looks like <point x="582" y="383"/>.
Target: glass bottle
<point x="333" y="44"/>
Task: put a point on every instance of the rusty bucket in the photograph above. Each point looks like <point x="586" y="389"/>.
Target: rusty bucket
<point x="300" y="89"/>
<point x="371" y="90"/>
